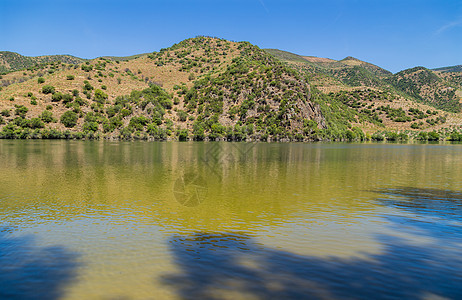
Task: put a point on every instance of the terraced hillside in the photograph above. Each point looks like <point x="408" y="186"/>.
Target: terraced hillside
<point x="426" y="86"/>
<point x="416" y="88"/>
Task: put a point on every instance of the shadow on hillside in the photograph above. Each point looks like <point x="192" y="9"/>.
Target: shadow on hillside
<point x="212" y="266"/>
<point x="31" y="272"/>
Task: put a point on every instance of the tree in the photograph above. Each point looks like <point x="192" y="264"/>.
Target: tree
<point x="433" y="136"/>
<point x="182" y="134"/>
<point x="69" y="119"/>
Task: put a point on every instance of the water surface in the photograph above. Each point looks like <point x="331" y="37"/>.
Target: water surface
<point x="121" y="220"/>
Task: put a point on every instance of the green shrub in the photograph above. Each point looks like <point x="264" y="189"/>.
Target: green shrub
<point x="433" y="136"/>
<point x="138" y="123"/>
<point x="422" y="136"/>
<point x="126" y="112"/>
<point x="56" y="97"/>
<point x="48" y="89"/>
<point x="87" y="67"/>
<point x="47" y="116"/>
<point x="377" y="136"/>
<point x="70" y="77"/>
<point x="67" y="98"/>
<point x="40" y="80"/>
<point x="36" y="123"/>
<point x="21" y="110"/>
<point x="182" y="115"/>
<point x="90" y="127"/>
<point x="100" y="96"/>
<point x="69" y="119"/>
<point x="391" y="136"/>
<point x="87" y="86"/>
<point x="5" y="113"/>
<point x="182" y="134"/>
<point x="455" y="136"/>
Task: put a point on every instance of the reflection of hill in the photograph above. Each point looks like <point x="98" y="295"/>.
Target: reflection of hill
<point x="248" y="185"/>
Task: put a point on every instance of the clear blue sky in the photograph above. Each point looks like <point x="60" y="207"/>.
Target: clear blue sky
<point x="392" y="34"/>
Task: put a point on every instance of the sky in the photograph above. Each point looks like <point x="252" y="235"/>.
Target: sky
<point x="395" y="35"/>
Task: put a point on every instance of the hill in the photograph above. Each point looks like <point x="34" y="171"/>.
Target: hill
<point x="426" y="86"/>
<point x="203" y="87"/>
<point x="208" y="88"/>
<point x="440" y="90"/>
<point x="11" y="61"/>
<point x="286" y="56"/>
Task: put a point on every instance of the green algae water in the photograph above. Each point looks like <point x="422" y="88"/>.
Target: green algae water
<point x="123" y="220"/>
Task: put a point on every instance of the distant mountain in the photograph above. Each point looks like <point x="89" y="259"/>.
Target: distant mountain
<point x="457" y="68"/>
<point x="351" y="61"/>
<point x="286" y="56"/>
<point x="125" y="58"/>
<point x="11" y="61"/>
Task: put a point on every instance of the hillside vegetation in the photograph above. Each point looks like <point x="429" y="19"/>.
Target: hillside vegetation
<point x="213" y="89"/>
<point x="426" y="86"/>
<point x="11" y="61"/>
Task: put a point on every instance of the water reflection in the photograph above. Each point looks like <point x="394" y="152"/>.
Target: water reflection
<point x="28" y="271"/>
<point x="432" y="214"/>
<point x="273" y="220"/>
<point x="425" y="263"/>
<point x="424" y="201"/>
<point x="235" y="266"/>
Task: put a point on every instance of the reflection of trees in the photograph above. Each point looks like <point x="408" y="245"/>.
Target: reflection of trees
<point x="251" y="183"/>
<point x="31" y="272"/>
<point x="78" y="176"/>
<point x="425" y="201"/>
<point x="233" y="265"/>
